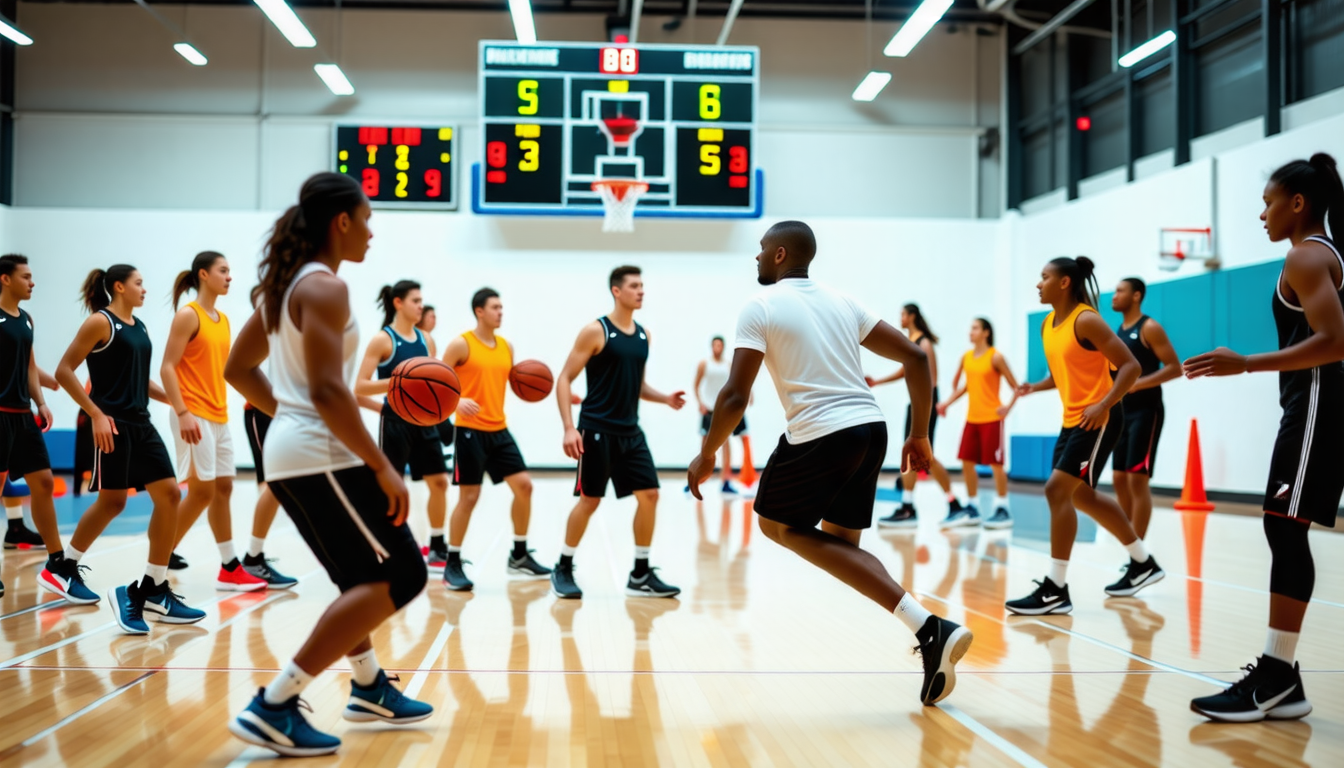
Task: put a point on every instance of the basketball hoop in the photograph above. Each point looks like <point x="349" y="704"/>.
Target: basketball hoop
<point x="1170" y="261"/>
<point x="1179" y="244"/>
<point x="619" y="197"/>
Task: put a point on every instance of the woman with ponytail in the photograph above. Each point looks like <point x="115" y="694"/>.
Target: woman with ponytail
<point x="128" y="452"/>
<point x="343" y="494"/>
<point x="1081" y="351"/>
<point x="1304" y="204"/>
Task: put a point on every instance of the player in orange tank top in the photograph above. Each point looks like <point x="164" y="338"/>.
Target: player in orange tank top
<point x="483" y="359"/>
<point x="1081" y="350"/>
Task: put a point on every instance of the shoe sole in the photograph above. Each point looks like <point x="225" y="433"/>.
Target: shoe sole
<point x="998" y="526"/>
<point x="55" y="590"/>
<point x="1058" y="610"/>
<point x="641" y="593"/>
<point x="521" y="574"/>
<point x="225" y="586"/>
<point x="579" y="596"/>
<point x="160" y="618"/>
<point x="359" y="716"/>
<point x="1131" y="591"/>
<point x="434" y="568"/>
<point x="251" y="738"/>
<point x="25" y="547"/>
<point x="897" y="526"/>
<point x="116" y="614"/>
<point x="953" y="650"/>
<point x="452" y="588"/>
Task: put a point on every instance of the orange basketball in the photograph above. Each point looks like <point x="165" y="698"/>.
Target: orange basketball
<point x="424" y="391"/>
<point x="531" y="380"/>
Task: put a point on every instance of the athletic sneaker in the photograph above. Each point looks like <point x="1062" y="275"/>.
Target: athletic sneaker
<point x="1271" y="689"/>
<point x="1047" y="598"/>
<point x="233" y="577"/>
<point x="384" y="703"/>
<point x="2" y="589"/>
<point x="563" y="584"/>
<point x="1137" y="576"/>
<point x="282" y="728"/>
<point x="649" y="585"/>
<point x="904" y="517"/>
<point x="999" y="520"/>
<point x="527" y="566"/>
<point x="260" y="567"/>
<point x="436" y="559"/>
<point x="959" y="516"/>
<point x="128" y="609"/>
<point x="162" y="604"/>
<point x="728" y="489"/>
<point x="176" y="563"/>
<point x="942" y="643"/>
<point x="454" y="577"/>
<point x="65" y="577"/>
<point x="21" y="537"/>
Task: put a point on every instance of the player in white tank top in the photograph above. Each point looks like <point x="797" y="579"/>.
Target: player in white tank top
<point x="710" y="376"/>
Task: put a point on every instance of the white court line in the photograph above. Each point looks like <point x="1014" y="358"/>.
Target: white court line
<point x="435" y="650"/>
<point x="28" y="742"/>
<point x="1134" y="656"/>
<point x="1003" y="745"/>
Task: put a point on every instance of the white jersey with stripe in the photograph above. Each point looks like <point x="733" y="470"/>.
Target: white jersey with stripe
<point x="298" y="442"/>
<point x="716" y="377"/>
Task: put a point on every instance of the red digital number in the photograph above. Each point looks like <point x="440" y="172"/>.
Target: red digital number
<point x="737" y="159"/>
<point x="497" y="154"/>
<point x="371" y="182"/>
<point x="408" y="136"/>
<point x="434" y="180"/>
<point x="372" y="135"/>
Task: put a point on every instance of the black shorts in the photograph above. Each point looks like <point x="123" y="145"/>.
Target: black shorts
<point x="832" y="478"/>
<point x="1305" y="480"/>
<point x="404" y="443"/>
<point x="623" y="459"/>
<point x="342" y="515"/>
<point x="481" y="452"/>
<point x="709" y="417"/>
<point x="22" y="448"/>
<point x="1082" y="453"/>
<point x="445" y="431"/>
<point x="1136" y="450"/>
<point x="933" y="417"/>
<point x="84" y="451"/>
<point x="257" y="423"/>
<point x="138" y="458"/>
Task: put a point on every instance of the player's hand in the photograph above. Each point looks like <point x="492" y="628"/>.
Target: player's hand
<point x="1220" y="362"/>
<point x="676" y="400"/>
<point x="870" y="381"/>
<point x="398" y="498"/>
<point x="1095" y="417"/>
<point x="700" y="470"/>
<point x="1003" y="410"/>
<point x="468" y="407"/>
<point x="916" y="454"/>
<point x="941" y="408"/>
<point x="1024" y="389"/>
<point x="575" y="399"/>
<point x="190" y="428"/>
<point x="103" y="430"/>
<point x="573" y="444"/>
<point x="44" y="418"/>
<point x="704" y="411"/>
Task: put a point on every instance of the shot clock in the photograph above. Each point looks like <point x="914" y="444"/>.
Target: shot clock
<point x="400" y="166"/>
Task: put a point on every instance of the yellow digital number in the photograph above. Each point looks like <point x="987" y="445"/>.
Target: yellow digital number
<point x="402" y="180"/>
<point x="527" y="92"/>
<point x="710" y="164"/>
<point x="403" y="157"/>
<point x="373" y="154"/>
<point x="710" y="107"/>
<point x="531" y="149"/>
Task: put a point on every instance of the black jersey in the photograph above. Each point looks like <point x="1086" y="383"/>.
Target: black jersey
<point x="1145" y="399"/>
<point x="615" y="378"/>
<point x="402" y="350"/>
<point x="16" y="350"/>
<point x="119" y="371"/>
<point x="1298" y="390"/>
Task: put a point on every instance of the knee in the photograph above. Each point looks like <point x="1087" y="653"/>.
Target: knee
<point x="224" y="488"/>
<point x="41" y="483"/>
<point x="437" y="483"/>
<point x="468" y="495"/>
<point x="773" y="531"/>
<point x="1058" y="490"/>
<point x="648" y="497"/>
<point x="1292" y="570"/>
<point x="200" y="491"/>
<point x="114" y="501"/>
<point x="587" y="505"/>
<point x="523" y="488"/>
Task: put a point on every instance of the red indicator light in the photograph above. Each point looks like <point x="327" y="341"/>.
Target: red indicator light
<point x="408" y="136"/>
<point x="433" y="182"/>
<point x="737" y="182"/>
<point x="1084" y="123"/>
<point x="370" y="177"/>
<point x="619" y="61"/>
<point x="372" y="135"/>
<point x="621" y="39"/>
<point x="496" y="177"/>
<point x="497" y="154"/>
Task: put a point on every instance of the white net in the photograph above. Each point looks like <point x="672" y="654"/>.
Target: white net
<point x="619" y="197"/>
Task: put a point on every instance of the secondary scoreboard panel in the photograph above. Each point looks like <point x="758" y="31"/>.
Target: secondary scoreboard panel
<point x="400" y="166"/>
<point x="555" y="118"/>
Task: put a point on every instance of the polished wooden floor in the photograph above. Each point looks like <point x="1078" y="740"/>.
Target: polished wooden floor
<point x="763" y="661"/>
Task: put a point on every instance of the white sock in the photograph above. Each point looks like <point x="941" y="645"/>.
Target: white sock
<point x="157" y="573"/>
<point x="256" y="546"/>
<point x="522" y="537"/>
<point x="364" y="667"/>
<point x="1137" y="551"/>
<point x="289" y="684"/>
<point x="1001" y="501"/>
<point x="642" y="553"/>
<point x="907" y="497"/>
<point x="226" y="554"/>
<point x="1059" y="572"/>
<point x="568" y="551"/>
<point x="73" y="554"/>
<point x="451" y="548"/>
<point x="911" y="613"/>
<point x="15" y="512"/>
<point x="435" y="532"/>
<point x="1281" y="645"/>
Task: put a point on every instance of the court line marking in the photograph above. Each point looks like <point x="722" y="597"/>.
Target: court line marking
<point x="1008" y="748"/>
<point x="39" y="607"/>
<point x="68" y="719"/>
<point x="422" y="672"/>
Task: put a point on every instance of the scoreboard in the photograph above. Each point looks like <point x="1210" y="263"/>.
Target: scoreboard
<point x="399" y="166"/>
<point x="557" y="117"/>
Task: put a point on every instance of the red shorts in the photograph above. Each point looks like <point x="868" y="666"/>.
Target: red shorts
<point x="982" y="443"/>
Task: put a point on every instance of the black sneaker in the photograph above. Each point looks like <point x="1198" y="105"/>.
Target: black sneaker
<point x="454" y="577"/>
<point x="1137" y="576"/>
<point x="999" y="520"/>
<point x="1271" y="689"/>
<point x="967" y="516"/>
<point x="942" y="643"/>
<point x="527" y="566"/>
<point x="905" y="517"/>
<point x="21" y="537"/>
<point x="563" y="584"/>
<point x="649" y="585"/>
<point x="260" y="567"/>
<point x="176" y="563"/>
<point x="1048" y="598"/>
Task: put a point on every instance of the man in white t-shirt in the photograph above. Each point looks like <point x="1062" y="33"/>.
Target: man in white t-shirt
<point x="826" y="467"/>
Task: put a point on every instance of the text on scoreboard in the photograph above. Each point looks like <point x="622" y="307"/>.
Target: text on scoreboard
<point x="399" y="166"/>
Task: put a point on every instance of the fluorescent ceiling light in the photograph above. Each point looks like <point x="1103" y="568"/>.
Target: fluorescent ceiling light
<point x="189" y="52"/>
<point x="1148" y="49"/>
<point x="335" y="79"/>
<point x="284" y="19"/>
<point x="917" y="26"/>
<point x="13" y="34"/>
<point x="523" y="28"/>
<point x="871" y="86"/>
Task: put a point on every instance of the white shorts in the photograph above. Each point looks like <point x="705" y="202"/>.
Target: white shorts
<point x="209" y="459"/>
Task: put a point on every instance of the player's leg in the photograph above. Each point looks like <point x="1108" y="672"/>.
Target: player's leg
<point x="633" y="473"/>
<point x="521" y="562"/>
<point x="454" y="574"/>
<point x="23" y="453"/>
<point x="1002" y="516"/>
<point x="563" y="584"/>
<point x="972" y="481"/>
<point x="726" y="467"/>
<point x="255" y="561"/>
<point x="905" y="516"/>
<point x="199" y="495"/>
<point x="1052" y="593"/>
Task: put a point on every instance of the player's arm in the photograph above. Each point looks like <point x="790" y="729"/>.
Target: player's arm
<point x="728" y="411"/>
<point x="699" y="377"/>
<point x="1090" y="327"/>
<point x="95" y="332"/>
<point x="35" y="393"/>
<point x="1307" y="271"/>
<point x="588" y="343"/>
<point x="46" y="380"/>
<point x="890" y="343"/>
<point x="674" y="401"/>
<point x="430" y="346"/>
<point x="1000" y="364"/>
<point x="875" y="382"/>
<point x="156" y="393"/>
<point x="1155" y="336"/>
<point x="378" y="351"/>
<point x="185" y="326"/>
<point x="243" y="369"/>
<point x="958" y="389"/>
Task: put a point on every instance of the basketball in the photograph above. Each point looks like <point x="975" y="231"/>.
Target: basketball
<point x="531" y="380"/>
<point x="424" y="391"/>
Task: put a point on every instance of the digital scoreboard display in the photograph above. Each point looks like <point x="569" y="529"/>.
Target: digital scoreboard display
<point x="400" y="166"/>
<point x="558" y="117"/>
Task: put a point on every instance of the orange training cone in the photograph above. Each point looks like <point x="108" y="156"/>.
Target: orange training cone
<point x="1192" y="494"/>
<point x="748" y="474"/>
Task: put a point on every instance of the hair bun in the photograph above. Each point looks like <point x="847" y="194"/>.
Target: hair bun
<point x="1086" y="264"/>
<point x="1322" y="160"/>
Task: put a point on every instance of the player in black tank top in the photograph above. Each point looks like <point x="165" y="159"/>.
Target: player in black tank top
<point x="608" y="443"/>
<point x="1136" y="450"/>
<point x="1305" y="482"/>
<point x="116" y="347"/>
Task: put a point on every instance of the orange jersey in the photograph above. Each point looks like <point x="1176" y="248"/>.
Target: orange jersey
<point x="200" y="372"/>
<point x="1083" y="376"/>
<point x="485" y="376"/>
<point x="982" y="387"/>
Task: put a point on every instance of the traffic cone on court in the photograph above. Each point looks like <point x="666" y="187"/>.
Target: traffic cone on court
<point x="747" y="476"/>
<point x="1193" y="498"/>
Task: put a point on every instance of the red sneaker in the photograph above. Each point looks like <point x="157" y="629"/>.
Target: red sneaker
<point x="234" y="578"/>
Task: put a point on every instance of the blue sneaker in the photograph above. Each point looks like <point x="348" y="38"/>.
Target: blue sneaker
<point x="161" y="604"/>
<point x="281" y="728"/>
<point x="383" y="702"/>
<point x="65" y="577"/>
<point x="128" y="609"/>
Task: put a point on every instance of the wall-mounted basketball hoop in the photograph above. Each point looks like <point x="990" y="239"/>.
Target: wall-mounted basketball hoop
<point x="1180" y="245"/>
